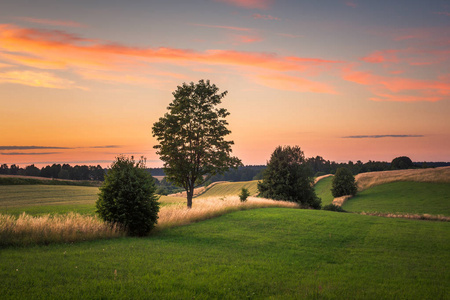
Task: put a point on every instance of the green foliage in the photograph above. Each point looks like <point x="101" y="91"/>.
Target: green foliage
<point x="244" y="194"/>
<point x="287" y="177"/>
<point x="343" y="183"/>
<point x="401" y="163"/>
<point x="128" y="197"/>
<point x="191" y="136"/>
<point x="255" y="254"/>
<point x="332" y="207"/>
<point x="33" y="181"/>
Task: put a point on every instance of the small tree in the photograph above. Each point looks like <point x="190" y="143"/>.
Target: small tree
<point x="343" y="183"/>
<point x="191" y="137"/>
<point x="402" y="162"/>
<point x="244" y="194"/>
<point x="287" y="177"/>
<point x="127" y="197"/>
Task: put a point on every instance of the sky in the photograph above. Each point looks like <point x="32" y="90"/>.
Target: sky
<point x="83" y="81"/>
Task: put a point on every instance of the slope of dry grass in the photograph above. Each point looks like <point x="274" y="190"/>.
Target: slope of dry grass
<point x="370" y="179"/>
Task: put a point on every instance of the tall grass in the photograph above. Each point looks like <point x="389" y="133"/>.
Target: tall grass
<point x="72" y="227"/>
<point x="370" y="179"/>
<point x="208" y="208"/>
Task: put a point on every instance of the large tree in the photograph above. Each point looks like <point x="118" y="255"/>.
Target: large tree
<point x="288" y="177"/>
<point x="192" y="135"/>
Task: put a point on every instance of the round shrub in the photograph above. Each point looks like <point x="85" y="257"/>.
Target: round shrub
<point x="343" y="183"/>
<point x="127" y="197"/>
<point x="333" y="207"/>
<point x="244" y="194"/>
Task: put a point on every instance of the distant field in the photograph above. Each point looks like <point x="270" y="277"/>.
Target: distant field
<point x="230" y="189"/>
<point x="44" y="199"/>
<point x="403" y="197"/>
<point x="269" y="253"/>
<point x="323" y="190"/>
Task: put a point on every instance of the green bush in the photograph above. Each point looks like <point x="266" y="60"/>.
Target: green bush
<point x="244" y="194"/>
<point x="127" y="197"/>
<point x="343" y="183"/>
<point x="332" y="207"/>
<point x="287" y="177"/>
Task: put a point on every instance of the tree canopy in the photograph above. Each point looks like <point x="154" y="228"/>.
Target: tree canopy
<point x="343" y="183"/>
<point x="287" y="177"/>
<point x="191" y="136"/>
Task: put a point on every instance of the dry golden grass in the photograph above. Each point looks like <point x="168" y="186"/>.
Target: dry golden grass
<point x="340" y="200"/>
<point x="370" y="179"/>
<point x="26" y="229"/>
<point x="203" y="209"/>
<point x="322" y="177"/>
<point x="410" y="216"/>
<point x="197" y="191"/>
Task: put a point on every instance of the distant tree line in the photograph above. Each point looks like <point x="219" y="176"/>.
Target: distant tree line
<point x="64" y="171"/>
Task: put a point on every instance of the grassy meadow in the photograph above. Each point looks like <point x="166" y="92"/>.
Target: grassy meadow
<point x="403" y="197"/>
<point x="323" y="190"/>
<point x="264" y="253"/>
<point x="230" y="189"/>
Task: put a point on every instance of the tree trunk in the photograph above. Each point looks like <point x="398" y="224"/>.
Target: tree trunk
<point x="190" y="194"/>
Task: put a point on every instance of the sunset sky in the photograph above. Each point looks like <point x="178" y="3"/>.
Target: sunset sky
<point x="84" y="81"/>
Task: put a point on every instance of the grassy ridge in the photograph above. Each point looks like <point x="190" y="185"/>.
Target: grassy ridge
<point x="403" y="197"/>
<point x="230" y="189"/>
<point x="263" y="253"/>
<point x="54" y="199"/>
<point x="323" y="190"/>
<point x="29" y="180"/>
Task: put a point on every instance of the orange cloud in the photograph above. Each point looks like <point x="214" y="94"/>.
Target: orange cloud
<point x="36" y="79"/>
<point x="260" y="4"/>
<point x="411" y="56"/>
<point x="292" y="83"/>
<point x="51" y="22"/>
<point x="264" y="17"/>
<point x="397" y="88"/>
<point x="247" y="39"/>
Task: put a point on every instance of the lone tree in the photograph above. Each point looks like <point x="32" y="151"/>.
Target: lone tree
<point x="402" y="162"/>
<point x="343" y="183"/>
<point x="191" y="137"/>
<point x="127" y="197"/>
<point x="287" y="177"/>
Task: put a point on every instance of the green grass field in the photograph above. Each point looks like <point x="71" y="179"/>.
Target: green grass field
<point x="44" y="199"/>
<point x="323" y="190"/>
<point x="403" y="197"/>
<point x="230" y="189"/>
<point x="263" y="253"/>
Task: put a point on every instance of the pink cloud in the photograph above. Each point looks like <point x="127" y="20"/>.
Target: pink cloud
<point x="292" y="83"/>
<point x="224" y="27"/>
<point x="46" y="49"/>
<point x="36" y="79"/>
<point x="264" y="17"/>
<point x="351" y="4"/>
<point x="410" y="56"/>
<point x="400" y="88"/>
<point x="250" y="4"/>
<point x="247" y="39"/>
<point x="444" y="13"/>
<point x="51" y="22"/>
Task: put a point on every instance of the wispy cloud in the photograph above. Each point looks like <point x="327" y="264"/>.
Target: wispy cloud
<point x="264" y="17"/>
<point x="36" y="79"/>
<point x="102" y="60"/>
<point x="29" y="153"/>
<point x="410" y="56"/>
<point x="382" y="136"/>
<point x="63" y="23"/>
<point x="443" y="13"/>
<point x="249" y="4"/>
<point x="247" y="39"/>
<point x="351" y="4"/>
<point x="292" y="83"/>
<point x="222" y="27"/>
<point x="8" y="148"/>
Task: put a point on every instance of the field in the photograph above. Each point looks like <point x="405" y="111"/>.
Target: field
<point x="230" y="189"/>
<point x="403" y="197"/>
<point x="263" y="253"/>
<point x="323" y="190"/>
<point x="44" y="199"/>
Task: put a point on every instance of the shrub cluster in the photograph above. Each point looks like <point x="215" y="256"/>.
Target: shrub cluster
<point x="343" y="183"/>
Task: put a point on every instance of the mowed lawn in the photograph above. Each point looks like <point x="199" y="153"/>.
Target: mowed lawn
<point x="51" y="199"/>
<point x="403" y="197"/>
<point x="264" y="253"/>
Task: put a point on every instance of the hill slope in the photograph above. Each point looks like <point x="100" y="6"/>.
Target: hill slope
<point x="230" y="189"/>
